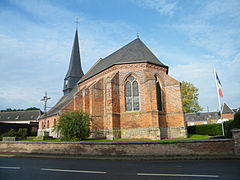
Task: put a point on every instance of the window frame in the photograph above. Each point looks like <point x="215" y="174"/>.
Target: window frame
<point x="157" y="81"/>
<point x="132" y="93"/>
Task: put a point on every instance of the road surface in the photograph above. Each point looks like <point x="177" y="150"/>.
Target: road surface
<point x="13" y="168"/>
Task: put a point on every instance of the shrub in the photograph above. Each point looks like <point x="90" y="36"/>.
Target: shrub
<point x="191" y="129"/>
<point x="237" y="116"/>
<point x="12" y="133"/>
<point x="216" y="129"/>
<point x="22" y="133"/>
<point x="209" y="129"/>
<point x="74" y="125"/>
<point x="229" y="125"/>
<point x="206" y="129"/>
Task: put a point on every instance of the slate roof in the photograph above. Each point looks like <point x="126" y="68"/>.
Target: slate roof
<point x="236" y="110"/>
<point x="75" y="68"/>
<point x="134" y="52"/>
<point x="191" y="117"/>
<point x="20" y="115"/>
<point x="61" y="103"/>
<point x="226" y="109"/>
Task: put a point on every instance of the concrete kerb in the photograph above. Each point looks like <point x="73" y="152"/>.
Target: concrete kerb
<point x="152" y="158"/>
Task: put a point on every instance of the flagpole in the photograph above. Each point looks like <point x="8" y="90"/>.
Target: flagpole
<point x="219" y="102"/>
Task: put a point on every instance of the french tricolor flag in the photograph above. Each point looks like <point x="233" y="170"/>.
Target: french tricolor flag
<point x="219" y="86"/>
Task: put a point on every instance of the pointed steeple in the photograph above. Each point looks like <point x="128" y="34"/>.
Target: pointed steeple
<point x="75" y="70"/>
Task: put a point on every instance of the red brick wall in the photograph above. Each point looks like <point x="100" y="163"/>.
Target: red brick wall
<point x="103" y="96"/>
<point x="228" y="116"/>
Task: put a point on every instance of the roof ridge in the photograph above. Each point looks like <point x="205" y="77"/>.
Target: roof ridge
<point x="133" y="52"/>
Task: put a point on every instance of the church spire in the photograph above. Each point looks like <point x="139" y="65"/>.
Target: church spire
<point x="75" y="70"/>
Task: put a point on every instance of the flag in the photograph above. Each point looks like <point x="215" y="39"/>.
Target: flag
<point x="219" y="86"/>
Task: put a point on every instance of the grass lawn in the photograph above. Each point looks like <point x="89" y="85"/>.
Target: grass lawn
<point x="190" y="137"/>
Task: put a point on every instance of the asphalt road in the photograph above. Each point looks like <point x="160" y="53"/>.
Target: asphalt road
<point x="12" y="168"/>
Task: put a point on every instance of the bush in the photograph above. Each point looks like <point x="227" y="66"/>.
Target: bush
<point x="209" y="129"/>
<point x="206" y="129"/>
<point x="216" y="129"/>
<point x="22" y="133"/>
<point x="191" y="129"/>
<point x="237" y="116"/>
<point x="11" y="133"/>
<point x="74" y="125"/>
<point x="229" y="125"/>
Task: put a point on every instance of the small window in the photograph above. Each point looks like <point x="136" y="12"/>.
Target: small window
<point x="48" y="124"/>
<point x="132" y="94"/>
<point x="66" y="83"/>
<point x="159" y="95"/>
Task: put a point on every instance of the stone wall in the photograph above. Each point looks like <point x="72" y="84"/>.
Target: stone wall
<point x="236" y="137"/>
<point x="167" y="148"/>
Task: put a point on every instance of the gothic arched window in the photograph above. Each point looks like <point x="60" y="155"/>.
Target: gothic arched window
<point x="132" y="94"/>
<point x="159" y="95"/>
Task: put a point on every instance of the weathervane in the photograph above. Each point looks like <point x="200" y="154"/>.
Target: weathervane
<point x="137" y="35"/>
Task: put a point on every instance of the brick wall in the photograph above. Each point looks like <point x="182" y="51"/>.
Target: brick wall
<point x="103" y="96"/>
<point x="206" y="147"/>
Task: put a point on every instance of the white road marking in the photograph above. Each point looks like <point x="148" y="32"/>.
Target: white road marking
<point x="10" y="168"/>
<point x="179" y="175"/>
<point x="75" y="171"/>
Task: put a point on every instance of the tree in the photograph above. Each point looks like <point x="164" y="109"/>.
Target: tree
<point x="190" y="98"/>
<point x="28" y="109"/>
<point x="73" y="125"/>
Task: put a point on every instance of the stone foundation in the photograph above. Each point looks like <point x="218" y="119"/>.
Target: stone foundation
<point x="48" y="132"/>
<point x="141" y="133"/>
<point x="173" y="132"/>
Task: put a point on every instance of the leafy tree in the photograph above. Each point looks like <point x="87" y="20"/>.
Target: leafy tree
<point x="73" y="125"/>
<point x="28" y="109"/>
<point x="32" y="108"/>
<point x="190" y="98"/>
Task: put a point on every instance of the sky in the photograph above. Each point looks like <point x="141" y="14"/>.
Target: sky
<point x="191" y="37"/>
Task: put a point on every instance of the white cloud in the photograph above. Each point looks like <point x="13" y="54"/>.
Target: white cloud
<point x="35" y="57"/>
<point x="214" y="27"/>
<point x="162" y="6"/>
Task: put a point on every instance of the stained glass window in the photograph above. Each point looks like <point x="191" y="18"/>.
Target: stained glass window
<point x="132" y="94"/>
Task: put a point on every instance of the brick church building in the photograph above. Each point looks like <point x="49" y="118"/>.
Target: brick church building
<point x="129" y="95"/>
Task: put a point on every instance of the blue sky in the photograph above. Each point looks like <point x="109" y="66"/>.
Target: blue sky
<point x="191" y="37"/>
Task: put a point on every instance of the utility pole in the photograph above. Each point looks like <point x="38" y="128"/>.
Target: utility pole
<point x="45" y="99"/>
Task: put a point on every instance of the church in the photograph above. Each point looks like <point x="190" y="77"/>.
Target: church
<point x="128" y="94"/>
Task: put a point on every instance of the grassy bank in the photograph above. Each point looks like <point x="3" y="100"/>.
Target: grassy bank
<point x="190" y="137"/>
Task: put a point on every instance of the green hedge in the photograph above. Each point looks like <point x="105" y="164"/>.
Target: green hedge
<point x="216" y="129"/>
<point x="228" y="125"/>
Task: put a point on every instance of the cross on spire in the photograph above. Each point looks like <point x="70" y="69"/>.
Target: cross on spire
<point x="137" y="35"/>
<point x="77" y="21"/>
